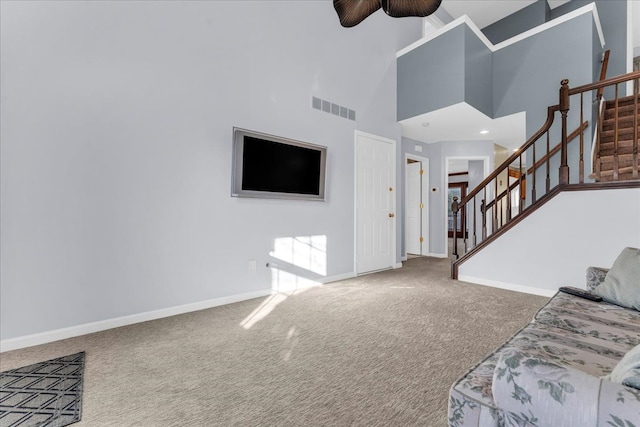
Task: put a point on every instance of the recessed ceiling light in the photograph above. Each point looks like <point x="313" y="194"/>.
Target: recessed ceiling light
<point x="484" y="132"/>
<point x="426" y="124"/>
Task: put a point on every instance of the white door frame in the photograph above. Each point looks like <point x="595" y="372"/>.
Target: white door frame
<point x="425" y="198"/>
<point x="392" y="261"/>
<point x="487" y="169"/>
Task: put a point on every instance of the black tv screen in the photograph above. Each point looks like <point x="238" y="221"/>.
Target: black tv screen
<point x="275" y="167"/>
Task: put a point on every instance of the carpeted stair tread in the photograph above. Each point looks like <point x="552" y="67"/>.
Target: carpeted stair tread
<point x="624" y="174"/>
<point x="607" y="149"/>
<point x="623" y="143"/>
<point x="624" y="101"/>
<point x="623" y="111"/>
<point x="624" y="160"/>
<point x="623" y="122"/>
<point x="623" y="114"/>
<point x="625" y="134"/>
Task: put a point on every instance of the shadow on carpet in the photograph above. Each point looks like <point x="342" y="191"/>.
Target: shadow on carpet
<point x="47" y="394"/>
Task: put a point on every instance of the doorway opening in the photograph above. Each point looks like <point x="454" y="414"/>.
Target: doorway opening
<point x="416" y="206"/>
<point x="462" y="174"/>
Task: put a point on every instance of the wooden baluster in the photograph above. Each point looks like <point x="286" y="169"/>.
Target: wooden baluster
<point x="564" y="109"/>
<point x="597" y="160"/>
<point x="463" y="227"/>
<point x="495" y="206"/>
<point x="475" y="224"/>
<point x="548" y="180"/>
<point x="581" y="165"/>
<point x="616" y="163"/>
<point x="483" y="211"/>
<point x="508" y="194"/>
<point x="635" y="129"/>
<point x="454" y="210"/>
<point x="523" y="191"/>
<point x="533" y="180"/>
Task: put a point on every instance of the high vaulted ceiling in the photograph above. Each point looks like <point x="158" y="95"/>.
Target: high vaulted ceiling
<point x="486" y="12"/>
<point x="462" y="122"/>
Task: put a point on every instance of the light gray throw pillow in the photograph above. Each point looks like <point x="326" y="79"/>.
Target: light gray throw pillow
<point x="627" y="371"/>
<point x="621" y="285"/>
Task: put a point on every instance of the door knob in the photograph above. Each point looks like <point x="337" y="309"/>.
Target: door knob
<point x="391" y="215"/>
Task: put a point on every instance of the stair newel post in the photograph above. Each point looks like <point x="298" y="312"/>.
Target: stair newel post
<point x="454" y="210"/>
<point x="564" y="109"/>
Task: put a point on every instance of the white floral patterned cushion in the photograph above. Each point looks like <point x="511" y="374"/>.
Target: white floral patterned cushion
<point x="621" y="285"/>
<point x="627" y="371"/>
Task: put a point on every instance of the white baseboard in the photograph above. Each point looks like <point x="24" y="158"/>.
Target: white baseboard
<point x="436" y="255"/>
<point x="337" y="278"/>
<point x="88" y="328"/>
<point x="397" y="265"/>
<point x="508" y="286"/>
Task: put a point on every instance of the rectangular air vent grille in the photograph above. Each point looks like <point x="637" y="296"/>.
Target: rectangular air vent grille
<point x="333" y="108"/>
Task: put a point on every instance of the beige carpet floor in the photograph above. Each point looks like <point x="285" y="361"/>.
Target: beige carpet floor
<point x="377" y="350"/>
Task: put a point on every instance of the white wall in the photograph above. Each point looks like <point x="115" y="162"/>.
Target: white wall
<point x="554" y="246"/>
<point x="116" y="147"/>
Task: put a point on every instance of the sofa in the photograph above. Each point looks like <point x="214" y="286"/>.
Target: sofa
<point x="553" y="372"/>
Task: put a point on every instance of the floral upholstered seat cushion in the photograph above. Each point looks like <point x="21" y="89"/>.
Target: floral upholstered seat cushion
<point x="570" y="332"/>
<point x="601" y="320"/>
<point x="471" y="399"/>
<point x="534" y="392"/>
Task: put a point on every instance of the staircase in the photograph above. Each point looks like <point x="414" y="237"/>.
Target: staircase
<point x="492" y="208"/>
<point x="616" y="155"/>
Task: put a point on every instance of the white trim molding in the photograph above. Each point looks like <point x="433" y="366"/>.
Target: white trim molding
<point x="103" y="325"/>
<point x="508" y="286"/>
<point x="437" y="255"/>
<point x="464" y="19"/>
<point x="337" y="278"/>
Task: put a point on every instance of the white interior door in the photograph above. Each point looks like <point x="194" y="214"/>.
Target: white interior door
<point x="375" y="203"/>
<point x="413" y="219"/>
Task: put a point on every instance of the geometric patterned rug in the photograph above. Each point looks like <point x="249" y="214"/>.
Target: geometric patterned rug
<point x="43" y="394"/>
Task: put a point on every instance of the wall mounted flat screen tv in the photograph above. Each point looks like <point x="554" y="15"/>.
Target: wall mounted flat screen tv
<point x="268" y="166"/>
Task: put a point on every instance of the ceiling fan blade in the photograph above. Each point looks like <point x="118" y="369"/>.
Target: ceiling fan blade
<point x="353" y="12"/>
<point x="402" y="8"/>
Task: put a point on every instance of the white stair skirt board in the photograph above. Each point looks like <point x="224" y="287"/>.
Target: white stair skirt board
<point x="508" y="286"/>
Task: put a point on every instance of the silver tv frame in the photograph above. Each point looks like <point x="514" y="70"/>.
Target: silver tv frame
<point x="237" y="167"/>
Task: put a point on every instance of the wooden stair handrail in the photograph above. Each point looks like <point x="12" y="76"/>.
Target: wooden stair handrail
<point x="573" y="135"/>
<point x="609" y="82"/>
<point x="504" y="165"/>
<point x="500" y="222"/>
<point x="603" y="72"/>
